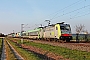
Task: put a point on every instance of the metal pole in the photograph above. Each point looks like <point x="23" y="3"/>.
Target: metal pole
<point x="21" y="33"/>
<point x="21" y="28"/>
<point x="86" y="35"/>
<point x="77" y="40"/>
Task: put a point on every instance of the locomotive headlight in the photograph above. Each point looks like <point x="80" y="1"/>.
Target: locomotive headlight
<point x="69" y="37"/>
<point x="61" y="37"/>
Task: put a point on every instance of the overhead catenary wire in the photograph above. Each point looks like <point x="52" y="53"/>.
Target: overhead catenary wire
<point x="81" y="15"/>
<point x="56" y="13"/>
<point x="78" y="14"/>
<point x="72" y="11"/>
<point x="75" y="15"/>
<point x="63" y="9"/>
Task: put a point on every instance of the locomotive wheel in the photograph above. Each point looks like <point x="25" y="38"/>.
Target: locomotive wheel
<point x="67" y="40"/>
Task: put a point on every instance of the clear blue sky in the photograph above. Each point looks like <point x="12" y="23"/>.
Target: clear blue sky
<point x="34" y="12"/>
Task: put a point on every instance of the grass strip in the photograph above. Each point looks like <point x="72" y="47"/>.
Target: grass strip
<point x="65" y="52"/>
<point x="27" y="55"/>
<point x="10" y="55"/>
<point x="0" y="47"/>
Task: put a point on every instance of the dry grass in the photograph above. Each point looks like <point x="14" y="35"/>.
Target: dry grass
<point x="9" y="54"/>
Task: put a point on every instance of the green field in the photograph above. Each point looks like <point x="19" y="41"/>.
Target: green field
<point x="65" y="52"/>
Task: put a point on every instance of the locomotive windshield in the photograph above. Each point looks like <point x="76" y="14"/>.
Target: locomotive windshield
<point x="65" y="27"/>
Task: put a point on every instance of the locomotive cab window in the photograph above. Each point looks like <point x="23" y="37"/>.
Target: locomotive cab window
<point x="56" y="28"/>
<point x="65" y="27"/>
<point x="62" y="27"/>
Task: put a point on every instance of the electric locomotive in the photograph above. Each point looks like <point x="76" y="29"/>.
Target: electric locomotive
<point x="58" y="31"/>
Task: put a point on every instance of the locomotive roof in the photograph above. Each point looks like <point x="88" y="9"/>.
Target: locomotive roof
<point x="24" y="32"/>
<point x="49" y="25"/>
<point x="62" y="24"/>
<point x="40" y="27"/>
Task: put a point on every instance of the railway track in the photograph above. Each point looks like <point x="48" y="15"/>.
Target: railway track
<point x="70" y="45"/>
<point x="44" y="55"/>
<point x="9" y="53"/>
<point x="83" y="46"/>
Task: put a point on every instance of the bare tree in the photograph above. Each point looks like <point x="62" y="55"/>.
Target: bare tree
<point x="79" y="28"/>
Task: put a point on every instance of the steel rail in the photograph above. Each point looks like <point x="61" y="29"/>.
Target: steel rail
<point x="18" y="57"/>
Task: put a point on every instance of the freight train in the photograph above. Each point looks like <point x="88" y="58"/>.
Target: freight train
<point x="58" y="31"/>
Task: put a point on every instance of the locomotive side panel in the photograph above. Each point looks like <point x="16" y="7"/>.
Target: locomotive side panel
<point x="49" y="32"/>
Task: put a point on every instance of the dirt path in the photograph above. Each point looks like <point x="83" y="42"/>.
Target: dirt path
<point x="47" y="55"/>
